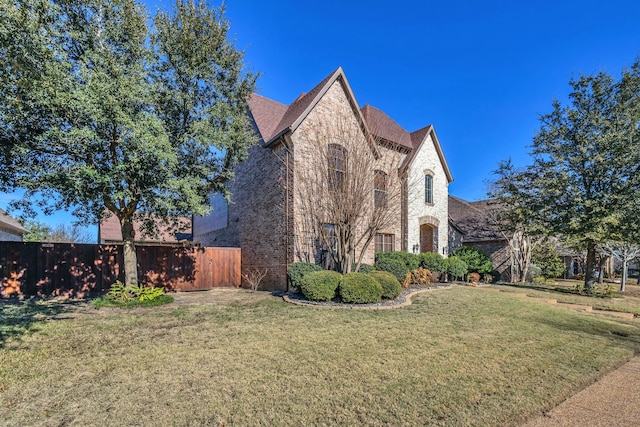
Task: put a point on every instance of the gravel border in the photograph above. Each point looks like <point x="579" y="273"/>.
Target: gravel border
<point x="402" y="301"/>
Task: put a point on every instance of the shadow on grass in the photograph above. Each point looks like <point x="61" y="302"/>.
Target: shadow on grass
<point x="618" y="334"/>
<point x="19" y="318"/>
<point x="557" y="289"/>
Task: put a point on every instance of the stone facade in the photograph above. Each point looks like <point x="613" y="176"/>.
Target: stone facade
<point x="434" y="215"/>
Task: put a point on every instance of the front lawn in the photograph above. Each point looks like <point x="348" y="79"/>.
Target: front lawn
<point x="460" y="356"/>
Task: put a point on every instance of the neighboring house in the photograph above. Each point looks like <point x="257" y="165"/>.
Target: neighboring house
<point x="471" y="225"/>
<point x="10" y="229"/>
<point x="267" y="216"/>
<point x="109" y="232"/>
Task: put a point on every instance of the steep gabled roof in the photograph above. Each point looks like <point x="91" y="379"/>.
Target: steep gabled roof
<point x="275" y="119"/>
<point x="383" y="126"/>
<point x="418" y="138"/>
<point x="11" y="224"/>
<point x="473" y="219"/>
<point x="266" y="113"/>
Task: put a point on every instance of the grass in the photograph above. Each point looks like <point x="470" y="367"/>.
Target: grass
<point x="563" y="291"/>
<point x="105" y="301"/>
<point x="461" y="356"/>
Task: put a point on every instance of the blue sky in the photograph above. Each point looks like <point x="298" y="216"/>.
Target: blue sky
<point x="480" y="72"/>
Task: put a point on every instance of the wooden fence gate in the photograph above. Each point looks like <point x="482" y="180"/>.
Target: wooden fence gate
<point x="76" y="270"/>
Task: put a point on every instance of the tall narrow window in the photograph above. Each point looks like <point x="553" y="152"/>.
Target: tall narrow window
<point x="380" y="189"/>
<point x="385" y="242"/>
<point x="337" y="158"/>
<point x="428" y="189"/>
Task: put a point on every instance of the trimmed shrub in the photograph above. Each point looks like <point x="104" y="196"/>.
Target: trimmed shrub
<point x="412" y="261"/>
<point x="455" y="267"/>
<point x="533" y="272"/>
<point x="297" y="271"/>
<point x="320" y="285"/>
<point x="364" y="268"/>
<point x="419" y="277"/>
<point x="390" y="285"/>
<point x="476" y="260"/>
<point x="360" y="288"/>
<point x="393" y="266"/>
<point x="432" y="262"/>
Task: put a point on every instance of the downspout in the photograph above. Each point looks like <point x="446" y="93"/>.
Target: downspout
<point x="287" y="144"/>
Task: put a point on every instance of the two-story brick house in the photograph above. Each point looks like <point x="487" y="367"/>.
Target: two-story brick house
<point x="267" y="215"/>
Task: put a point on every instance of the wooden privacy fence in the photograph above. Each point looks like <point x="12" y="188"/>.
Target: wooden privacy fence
<point x="76" y="270"/>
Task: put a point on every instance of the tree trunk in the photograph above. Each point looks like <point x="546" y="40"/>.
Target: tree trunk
<point x="603" y="261"/>
<point x="623" y="281"/>
<point x="130" y="257"/>
<point x="589" y="280"/>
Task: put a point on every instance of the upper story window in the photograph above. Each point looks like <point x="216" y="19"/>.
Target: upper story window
<point x="380" y="189"/>
<point x="337" y="158"/>
<point x="428" y="189"/>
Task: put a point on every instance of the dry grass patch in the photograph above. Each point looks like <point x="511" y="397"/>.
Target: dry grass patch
<point x="563" y="291"/>
<point x="455" y="357"/>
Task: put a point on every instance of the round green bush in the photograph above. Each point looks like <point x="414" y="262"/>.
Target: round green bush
<point x="412" y="261"/>
<point x="360" y="288"/>
<point x="364" y="268"/>
<point x="432" y="262"/>
<point x="396" y="267"/>
<point x="320" y="285"/>
<point x="298" y="270"/>
<point x="390" y="286"/>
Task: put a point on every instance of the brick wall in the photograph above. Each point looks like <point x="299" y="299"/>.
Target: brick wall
<point x="257" y="219"/>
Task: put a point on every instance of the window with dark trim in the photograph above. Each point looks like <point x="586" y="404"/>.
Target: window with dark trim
<point x="385" y="242"/>
<point x="380" y="189"/>
<point x="428" y="189"/>
<point x="337" y="158"/>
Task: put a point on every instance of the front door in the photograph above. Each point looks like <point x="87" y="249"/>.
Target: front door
<point x="426" y="238"/>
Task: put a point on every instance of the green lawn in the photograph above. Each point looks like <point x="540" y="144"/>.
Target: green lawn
<point x="460" y="356"/>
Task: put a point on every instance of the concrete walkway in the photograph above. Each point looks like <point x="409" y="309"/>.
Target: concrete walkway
<point x="614" y="400"/>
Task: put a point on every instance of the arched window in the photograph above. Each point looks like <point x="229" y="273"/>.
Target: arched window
<point x="380" y="189"/>
<point x="428" y="189"/>
<point x="337" y="168"/>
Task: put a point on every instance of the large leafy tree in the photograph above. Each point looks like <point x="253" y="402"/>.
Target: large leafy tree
<point x="586" y="162"/>
<point x="106" y="114"/>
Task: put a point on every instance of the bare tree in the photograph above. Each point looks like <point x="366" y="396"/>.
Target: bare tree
<point x="63" y="233"/>
<point x="348" y="187"/>
<point x="623" y="252"/>
<point x="514" y="216"/>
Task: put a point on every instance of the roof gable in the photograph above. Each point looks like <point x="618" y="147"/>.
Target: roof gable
<point x="418" y="139"/>
<point x="288" y="118"/>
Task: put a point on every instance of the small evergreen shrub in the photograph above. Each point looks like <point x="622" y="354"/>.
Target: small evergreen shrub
<point x="320" y="285"/>
<point x="476" y="260"/>
<point x="393" y="266"/>
<point x="297" y="271"/>
<point x="455" y="267"/>
<point x="360" y="288"/>
<point x="432" y="262"/>
<point x="390" y="286"/>
<point x="532" y="272"/>
<point x="412" y="261"/>
<point x="418" y="277"/>
<point x="364" y="268"/>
